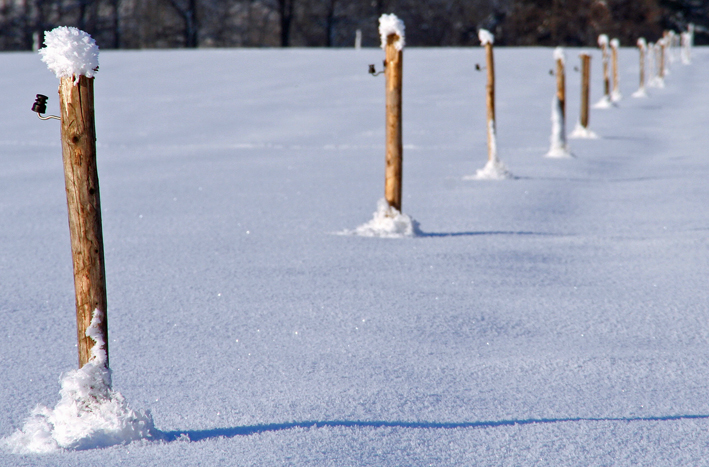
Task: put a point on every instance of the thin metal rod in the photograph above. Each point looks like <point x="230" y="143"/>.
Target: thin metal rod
<point x="48" y="117"/>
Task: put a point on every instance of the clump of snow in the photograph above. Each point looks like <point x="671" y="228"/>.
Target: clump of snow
<point x="486" y="37"/>
<point x="560" y="55"/>
<point x="603" y="41"/>
<point x="387" y="222"/>
<point x="642" y="43"/>
<point x="615" y="43"/>
<point x="640" y="93"/>
<point x="559" y="148"/>
<point x="391" y="24"/>
<point x="581" y="132"/>
<point x="604" y="103"/>
<point x="70" y="52"/>
<point x="89" y="415"/>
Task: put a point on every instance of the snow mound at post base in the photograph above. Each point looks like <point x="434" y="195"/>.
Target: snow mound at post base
<point x="89" y="415"/>
<point x="604" y="103"/>
<point x="387" y="222"/>
<point x="70" y="52"/>
<point x="495" y="169"/>
<point x="581" y="132"/>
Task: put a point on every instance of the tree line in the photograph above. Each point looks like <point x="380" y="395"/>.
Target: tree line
<point x="136" y="24"/>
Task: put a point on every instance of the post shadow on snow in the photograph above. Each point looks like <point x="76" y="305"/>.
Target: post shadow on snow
<point x="420" y="233"/>
<point x="232" y="432"/>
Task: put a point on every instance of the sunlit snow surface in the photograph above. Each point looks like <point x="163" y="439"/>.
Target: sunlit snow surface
<point x="555" y="318"/>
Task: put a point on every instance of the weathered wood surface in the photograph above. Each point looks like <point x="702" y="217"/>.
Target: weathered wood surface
<point x="394" y="145"/>
<point x="585" y="88"/>
<point x="490" y="101"/>
<point x="82" y="193"/>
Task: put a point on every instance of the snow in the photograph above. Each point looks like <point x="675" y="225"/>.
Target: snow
<point x="556" y="318"/>
<point x="558" y="148"/>
<point x="581" y="132"/>
<point x="390" y="24"/>
<point x="615" y="43"/>
<point x="89" y="414"/>
<point x="605" y="102"/>
<point x="603" y="40"/>
<point x="387" y="222"/>
<point x="494" y="169"/>
<point x="70" y="52"/>
<point x="559" y="54"/>
<point x="486" y="37"/>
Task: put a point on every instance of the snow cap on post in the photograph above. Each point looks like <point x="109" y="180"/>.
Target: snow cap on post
<point x="560" y="55"/>
<point x="70" y="52"/>
<point x="602" y="40"/>
<point x="615" y="43"/>
<point x="642" y="43"/>
<point x="486" y="37"/>
<point x="391" y="24"/>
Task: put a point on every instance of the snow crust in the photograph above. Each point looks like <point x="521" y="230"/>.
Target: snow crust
<point x="70" y="52"/>
<point x="390" y="24"/>
<point x="486" y="37"/>
<point x="559" y="148"/>
<point x="89" y="415"/>
<point x="387" y="222"/>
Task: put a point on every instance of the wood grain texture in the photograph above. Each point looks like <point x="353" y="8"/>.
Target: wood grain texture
<point x="83" y="201"/>
<point x="394" y="145"/>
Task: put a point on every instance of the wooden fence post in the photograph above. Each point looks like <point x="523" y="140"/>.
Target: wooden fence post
<point x="72" y="55"/>
<point x="642" y="46"/>
<point x="394" y="146"/>
<point x="585" y="88"/>
<point x="83" y="200"/>
<point x="490" y="101"/>
<point x="603" y="44"/>
<point x="561" y="87"/>
<point x="661" y="43"/>
<point x="615" y="93"/>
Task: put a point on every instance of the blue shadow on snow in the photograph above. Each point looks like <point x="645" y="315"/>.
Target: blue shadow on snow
<point x="200" y="435"/>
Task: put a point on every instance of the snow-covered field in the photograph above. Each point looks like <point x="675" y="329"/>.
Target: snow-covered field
<point x="557" y="318"/>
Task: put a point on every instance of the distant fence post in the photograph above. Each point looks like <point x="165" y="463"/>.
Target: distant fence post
<point x="391" y="30"/>
<point x="73" y="56"/>
<point x="642" y="45"/>
<point x="603" y="44"/>
<point x="561" y="86"/>
<point x="615" y="93"/>
<point x="585" y="88"/>
<point x="490" y="101"/>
